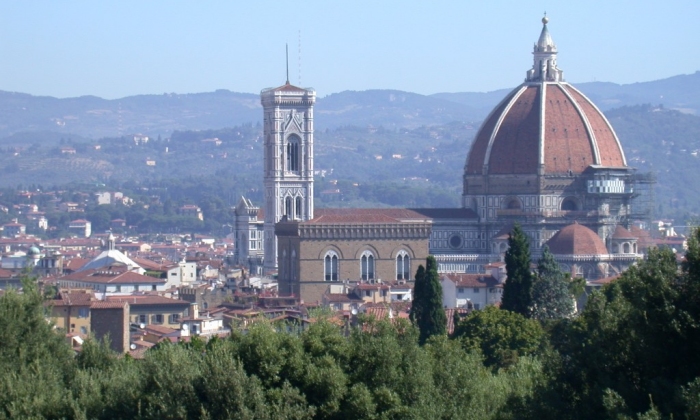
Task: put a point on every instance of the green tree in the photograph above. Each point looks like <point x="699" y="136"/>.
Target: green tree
<point x="427" y="312"/>
<point x="501" y="336"/>
<point x="517" y="292"/>
<point x="634" y="347"/>
<point x="551" y="294"/>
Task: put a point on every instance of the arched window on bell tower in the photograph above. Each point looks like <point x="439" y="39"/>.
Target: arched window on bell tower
<point x="293" y="163"/>
<point x="288" y="208"/>
<point x="297" y="208"/>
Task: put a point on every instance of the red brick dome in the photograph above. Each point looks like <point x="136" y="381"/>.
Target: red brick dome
<point x="576" y="239"/>
<point x="544" y="126"/>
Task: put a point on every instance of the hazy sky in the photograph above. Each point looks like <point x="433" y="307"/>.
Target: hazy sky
<point x="115" y="48"/>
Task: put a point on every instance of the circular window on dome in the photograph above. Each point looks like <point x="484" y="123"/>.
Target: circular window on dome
<point x="456" y="241"/>
<point x="569" y="204"/>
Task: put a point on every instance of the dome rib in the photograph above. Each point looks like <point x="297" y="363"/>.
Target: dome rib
<point x="512" y="150"/>
<point x="499" y="123"/>
<point x="475" y="158"/>
<point x="607" y="140"/>
<point x="586" y="123"/>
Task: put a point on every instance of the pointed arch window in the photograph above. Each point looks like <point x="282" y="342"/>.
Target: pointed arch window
<point x="330" y="266"/>
<point x="297" y="208"/>
<point x="403" y="266"/>
<point x="288" y="207"/>
<point x="292" y="158"/>
<point x="367" y="266"/>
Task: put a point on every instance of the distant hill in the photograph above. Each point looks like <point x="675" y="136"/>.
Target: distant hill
<point x="677" y="92"/>
<point x="93" y="117"/>
<point x="417" y="141"/>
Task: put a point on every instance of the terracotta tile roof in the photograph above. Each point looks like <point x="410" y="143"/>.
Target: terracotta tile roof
<point x="383" y="312"/>
<point x="112" y="275"/>
<point x="610" y="151"/>
<point x="576" y="239"/>
<point x="515" y="149"/>
<point x="6" y="274"/>
<point x="570" y="127"/>
<point x="471" y="280"/>
<point x="450" y="313"/>
<point x="101" y="304"/>
<point x="75" y="263"/>
<point x="139" y="300"/>
<point x="363" y="216"/>
<point x="161" y="330"/>
<point x="567" y="145"/>
<point x="477" y="152"/>
<point x="287" y="87"/>
<point x="622" y="233"/>
<point x="341" y="298"/>
<point x="152" y="265"/>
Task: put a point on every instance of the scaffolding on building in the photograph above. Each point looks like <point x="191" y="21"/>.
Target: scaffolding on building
<point x="643" y="200"/>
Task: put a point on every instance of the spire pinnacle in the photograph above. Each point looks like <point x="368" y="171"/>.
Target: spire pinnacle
<point x="544" y="68"/>
<point x="286" y="46"/>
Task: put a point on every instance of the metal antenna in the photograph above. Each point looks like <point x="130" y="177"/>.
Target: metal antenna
<point x="299" y="57"/>
<point x="286" y="46"/>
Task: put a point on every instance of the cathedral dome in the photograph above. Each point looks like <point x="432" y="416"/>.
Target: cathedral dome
<point x="544" y="126"/>
<point x="576" y="239"/>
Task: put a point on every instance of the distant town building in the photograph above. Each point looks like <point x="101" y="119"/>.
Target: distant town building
<point x="81" y="228"/>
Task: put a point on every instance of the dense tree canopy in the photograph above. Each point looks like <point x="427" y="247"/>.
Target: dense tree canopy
<point x="631" y="353"/>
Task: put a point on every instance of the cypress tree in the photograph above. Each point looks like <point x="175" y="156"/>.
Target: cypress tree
<point x="517" y="292"/>
<point x="427" y="311"/>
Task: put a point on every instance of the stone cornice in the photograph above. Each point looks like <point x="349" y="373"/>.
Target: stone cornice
<point x="368" y="231"/>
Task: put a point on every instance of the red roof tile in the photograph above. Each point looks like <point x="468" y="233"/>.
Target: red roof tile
<point x="390" y="215"/>
<point x="471" y="280"/>
<point x="576" y="239"/>
<point x="568" y="134"/>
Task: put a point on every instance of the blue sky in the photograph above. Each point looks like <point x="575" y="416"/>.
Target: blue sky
<point x="114" y="49"/>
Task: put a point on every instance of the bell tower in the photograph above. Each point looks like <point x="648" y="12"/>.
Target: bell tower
<point x="288" y="161"/>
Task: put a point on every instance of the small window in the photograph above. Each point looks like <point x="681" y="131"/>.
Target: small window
<point x="143" y="319"/>
<point x="460" y="290"/>
<point x="83" y="312"/>
<point x="173" y="274"/>
<point x="83" y="330"/>
<point x="477" y="290"/>
<point x="158" y="319"/>
<point x="174" y="318"/>
<point x="330" y="268"/>
<point x="368" y="293"/>
<point x="154" y="287"/>
<point x="292" y="154"/>
<point x="118" y="288"/>
<point x="403" y="266"/>
<point x="367" y="266"/>
<point x="477" y="306"/>
<point x="297" y="208"/>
